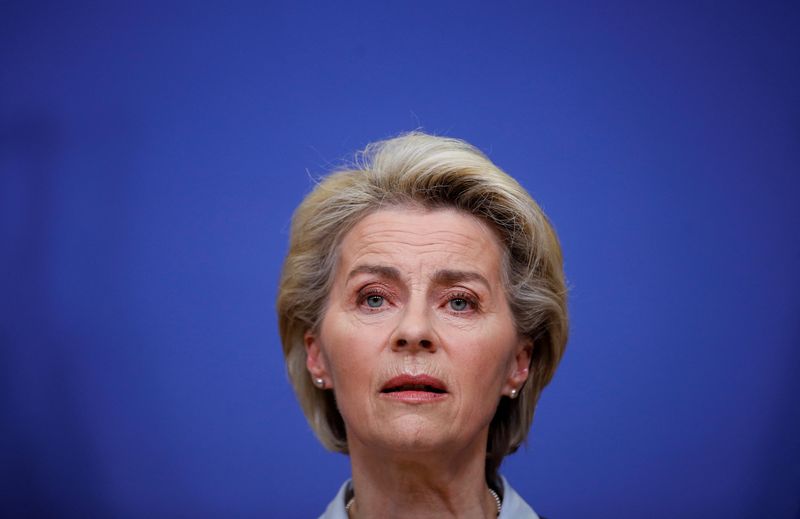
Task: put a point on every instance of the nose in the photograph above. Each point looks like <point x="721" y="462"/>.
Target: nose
<point x="414" y="332"/>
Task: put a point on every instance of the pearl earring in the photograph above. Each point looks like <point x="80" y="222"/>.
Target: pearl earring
<point x="513" y="394"/>
<point x="320" y="383"/>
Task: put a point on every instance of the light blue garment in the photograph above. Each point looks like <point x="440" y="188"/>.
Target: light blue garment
<point x="514" y="507"/>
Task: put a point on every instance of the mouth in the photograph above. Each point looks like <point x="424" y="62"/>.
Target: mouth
<point x="414" y="388"/>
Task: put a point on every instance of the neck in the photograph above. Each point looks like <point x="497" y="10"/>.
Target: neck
<point x="395" y="484"/>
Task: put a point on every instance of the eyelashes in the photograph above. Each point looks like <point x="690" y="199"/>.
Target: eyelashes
<point x="373" y="298"/>
<point x="462" y="302"/>
<point x="377" y="298"/>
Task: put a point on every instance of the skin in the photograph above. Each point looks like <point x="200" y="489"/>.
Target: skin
<point x="419" y="292"/>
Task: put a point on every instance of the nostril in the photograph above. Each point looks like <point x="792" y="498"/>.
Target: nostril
<point x="425" y="344"/>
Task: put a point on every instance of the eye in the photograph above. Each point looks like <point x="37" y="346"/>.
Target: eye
<point x="374" y="298"/>
<point x="374" y="301"/>
<point x="462" y="303"/>
<point x="459" y="304"/>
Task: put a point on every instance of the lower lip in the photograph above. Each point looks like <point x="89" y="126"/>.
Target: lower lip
<point x="414" y="397"/>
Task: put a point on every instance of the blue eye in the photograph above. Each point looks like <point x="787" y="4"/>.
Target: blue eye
<point x="459" y="305"/>
<point x="374" y="301"/>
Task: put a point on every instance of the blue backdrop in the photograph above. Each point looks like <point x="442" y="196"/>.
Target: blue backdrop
<point x="150" y="159"/>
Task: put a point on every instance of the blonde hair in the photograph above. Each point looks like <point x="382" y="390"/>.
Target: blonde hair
<point x="432" y="172"/>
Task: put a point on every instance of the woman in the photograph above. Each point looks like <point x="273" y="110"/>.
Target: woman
<point x="422" y="310"/>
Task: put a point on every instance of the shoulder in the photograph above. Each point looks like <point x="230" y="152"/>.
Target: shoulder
<point x="514" y="507"/>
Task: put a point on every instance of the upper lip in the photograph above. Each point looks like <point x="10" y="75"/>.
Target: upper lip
<point x="414" y="382"/>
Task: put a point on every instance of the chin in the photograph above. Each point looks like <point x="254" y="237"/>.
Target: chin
<point x="415" y="442"/>
<point x="414" y="434"/>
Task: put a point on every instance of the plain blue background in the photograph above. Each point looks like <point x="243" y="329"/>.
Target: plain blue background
<point x="151" y="156"/>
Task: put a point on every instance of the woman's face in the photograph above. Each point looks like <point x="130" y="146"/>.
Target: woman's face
<point x="418" y="341"/>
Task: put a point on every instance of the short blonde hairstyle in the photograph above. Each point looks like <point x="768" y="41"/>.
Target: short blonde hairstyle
<point x="421" y="170"/>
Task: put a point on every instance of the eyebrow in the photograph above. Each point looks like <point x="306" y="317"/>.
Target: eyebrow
<point x="452" y="277"/>
<point x="378" y="270"/>
<point x="440" y="277"/>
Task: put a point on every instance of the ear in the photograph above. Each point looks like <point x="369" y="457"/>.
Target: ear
<point x="315" y="359"/>
<point x="520" y="366"/>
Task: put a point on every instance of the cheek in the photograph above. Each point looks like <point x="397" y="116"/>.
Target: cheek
<point x="486" y="362"/>
<point x="351" y="355"/>
<point x="485" y="373"/>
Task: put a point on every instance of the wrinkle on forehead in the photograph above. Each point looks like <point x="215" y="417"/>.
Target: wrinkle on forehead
<point x="382" y="225"/>
<point x="449" y="237"/>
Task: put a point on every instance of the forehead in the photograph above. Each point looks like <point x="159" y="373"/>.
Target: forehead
<point x="413" y="239"/>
